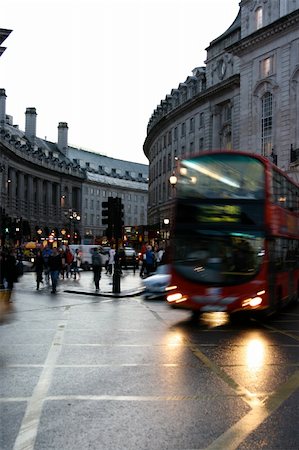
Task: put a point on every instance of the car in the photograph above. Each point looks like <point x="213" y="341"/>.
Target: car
<point x="155" y="284"/>
<point x="130" y="259"/>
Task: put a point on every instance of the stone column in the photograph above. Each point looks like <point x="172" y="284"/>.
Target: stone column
<point x="30" y="194"/>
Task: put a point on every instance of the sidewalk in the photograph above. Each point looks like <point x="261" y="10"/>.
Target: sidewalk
<point x="130" y="284"/>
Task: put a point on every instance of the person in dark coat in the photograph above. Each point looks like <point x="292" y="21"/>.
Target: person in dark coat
<point x="97" y="268"/>
<point x="38" y="265"/>
<point x="55" y="267"/>
<point x="10" y="269"/>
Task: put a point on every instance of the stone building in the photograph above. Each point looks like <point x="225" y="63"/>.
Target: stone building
<point x="39" y="185"/>
<point x="246" y="97"/>
<point x="53" y="187"/>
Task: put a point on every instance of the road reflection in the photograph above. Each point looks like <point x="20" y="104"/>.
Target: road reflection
<point x="255" y="354"/>
<point x="215" y="319"/>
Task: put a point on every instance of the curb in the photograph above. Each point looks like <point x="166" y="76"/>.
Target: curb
<point x="123" y="294"/>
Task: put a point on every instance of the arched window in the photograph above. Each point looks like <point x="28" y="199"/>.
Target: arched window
<point x="259" y="17"/>
<point x="267" y="122"/>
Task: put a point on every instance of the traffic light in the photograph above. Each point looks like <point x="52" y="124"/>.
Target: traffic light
<point x="112" y="215"/>
<point x="105" y="213"/>
<point x="108" y="216"/>
<point x="119" y="218"/>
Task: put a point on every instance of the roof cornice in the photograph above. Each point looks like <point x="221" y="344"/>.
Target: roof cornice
<point x="265" y="33"/>
<point x="189" y="105"/>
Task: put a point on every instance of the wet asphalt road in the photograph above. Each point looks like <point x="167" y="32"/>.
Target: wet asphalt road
<point x="91" y="372"/>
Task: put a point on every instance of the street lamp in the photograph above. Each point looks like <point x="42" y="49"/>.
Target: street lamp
<point x="166" y="223"/>
<point x="173" y="180"/>
<point x="74" y="217"/>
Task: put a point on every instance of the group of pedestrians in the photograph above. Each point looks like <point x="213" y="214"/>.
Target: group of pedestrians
<point x="151" y="257"/>
<point x="52" y="263"/>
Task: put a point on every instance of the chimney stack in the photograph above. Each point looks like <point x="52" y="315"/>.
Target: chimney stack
<point x="30" y="125"/>
<point x="62" y="137"/>
<point x="2" y="107"/>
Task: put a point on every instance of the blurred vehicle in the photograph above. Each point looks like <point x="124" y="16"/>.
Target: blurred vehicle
<point x="130" y="258"/>
<point x="155" y="285"/>
<point x="86" y="252"/>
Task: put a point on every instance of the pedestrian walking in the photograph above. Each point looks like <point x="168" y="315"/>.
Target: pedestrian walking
<point x="46" y="254"/>
<point x="97" y="268"/>
<point x="76" y="264"/>
<point x="149" y="260"/>
<point x="55" y="266"/>
<point x="9" y="264"/>
<point x="111" y="260"/>
<point x="68" y="261"/>
<point x="38" y="265"/>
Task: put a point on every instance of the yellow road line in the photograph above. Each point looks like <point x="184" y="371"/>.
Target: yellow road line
<point x="251" y="399"/>
<point x="232" y="438"/>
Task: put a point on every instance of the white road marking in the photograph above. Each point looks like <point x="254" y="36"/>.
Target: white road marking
<point x="29" y="426"/>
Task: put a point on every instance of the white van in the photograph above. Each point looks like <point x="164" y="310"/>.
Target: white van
<point x="86" y="252"/>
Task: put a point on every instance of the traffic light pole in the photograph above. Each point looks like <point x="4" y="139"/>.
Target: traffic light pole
<point x="117" y="271"/>
<point x="113" y="217"/>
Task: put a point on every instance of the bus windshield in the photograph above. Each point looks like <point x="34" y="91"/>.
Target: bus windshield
<point x="222" y="176"/>
<point x="219" y="257"/>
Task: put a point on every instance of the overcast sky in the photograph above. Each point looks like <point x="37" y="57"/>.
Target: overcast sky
<point x="103" y="66"/>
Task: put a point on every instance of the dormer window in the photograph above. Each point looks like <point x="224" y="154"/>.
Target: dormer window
<point x="259" y="17"/>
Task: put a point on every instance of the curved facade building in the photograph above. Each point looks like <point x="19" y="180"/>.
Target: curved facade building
<point x="246" y="97"/>
<point x="48" y="187"/>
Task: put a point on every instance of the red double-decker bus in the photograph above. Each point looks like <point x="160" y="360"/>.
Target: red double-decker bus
<point x="236" y="235"/>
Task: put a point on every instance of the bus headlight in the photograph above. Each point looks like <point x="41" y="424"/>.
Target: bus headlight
<point x="176" y="298"/>
<point x="252" y="302"/>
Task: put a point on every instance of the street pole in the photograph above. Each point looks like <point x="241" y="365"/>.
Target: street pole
<point x="116" y="273"/>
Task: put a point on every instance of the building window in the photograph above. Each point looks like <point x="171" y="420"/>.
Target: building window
<point x="169" y="138"/>
<point x="267" y="120"/>
<point x="175" y="133"/>
<point x="259" y="18"/>
<point x="183" y="129"/>
<point x="283" y="7"/>
<point x="201" y="119"/>
<point x="267" y="67"/>
<point x="191" y="147"/>
<point x="201" y="142"/>
<point x="227" y="113"/>
<point x="164" y="141"/>
<point x="192" y="125"/>
<point x="169" y="162"/>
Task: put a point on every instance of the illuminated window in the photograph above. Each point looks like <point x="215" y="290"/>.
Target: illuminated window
<point x="267" y="119"/>
<point x="259" y="18"/>
<point x="283" y="7"/>
<point x="267" y="67"/>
